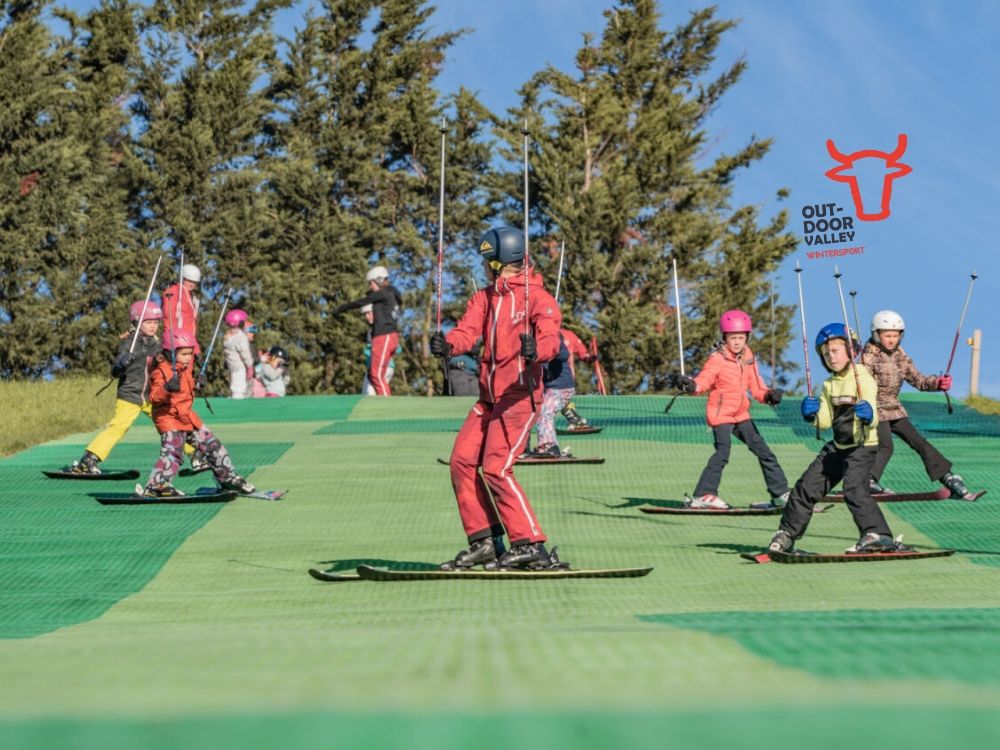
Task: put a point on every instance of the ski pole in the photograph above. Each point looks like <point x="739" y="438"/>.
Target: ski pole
<point x="850" y="344"/>
<point x="178" y="314"/>
<point x="773" y="331"/>
<point x="527" y="322"/>
<point x="857" y="320"/>
<point x="601" y="387"/>
<point x="680" y="335"/>
<point x="805" y="336"/>
<point x="211" y="344"/>
<point x="562" y="256"/>
<point x="145" y="303"/>
<point x="958" y="332"/>
<point x="443" y="129"/>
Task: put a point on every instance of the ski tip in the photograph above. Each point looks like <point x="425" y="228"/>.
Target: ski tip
<point x="330" y="577"/>
<point x="756" y="557"/>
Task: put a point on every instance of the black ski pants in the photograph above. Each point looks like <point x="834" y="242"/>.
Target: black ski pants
<point x="935" y="464"/>
<point x="833" y="464"/>
<point x="774" y="477"/>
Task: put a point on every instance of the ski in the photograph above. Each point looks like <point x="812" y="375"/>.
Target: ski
<point x="330" y="576"/>
<point x="683" y="510"/>
<point x="258" y="495"/>
<point x="757" y="557"/>
<point x="532" y="460"/>
<point x="136" y="499"/>
<point x="189" y="472"/>
<point x="107" y="475"/>
<point x="588" y="430"/>
<point x="368" y="573"/>
<point x="912" y="497"/>
<point x="800" y="556"/>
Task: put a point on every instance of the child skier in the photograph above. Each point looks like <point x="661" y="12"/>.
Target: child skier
<point x="180" y="305"/>
<point x="130" y="367"/>
<point x="171" y="391"/>
<point x="891" y="366"/>
<point x="728" y="373"/>
<point x="274" y="372"/>
<point x="385" y="300"/>
<point x="848" y="457"/>
<point x="576" y="351"/>
<point x="497" y="428"/>
<point x="560" y="387"/>
<point x="238" y="354"/>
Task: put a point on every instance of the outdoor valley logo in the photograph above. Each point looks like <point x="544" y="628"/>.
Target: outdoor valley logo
<point x="869" y="174"/>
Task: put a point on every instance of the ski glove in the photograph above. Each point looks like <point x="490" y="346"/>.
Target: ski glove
<point x="529" y="348"/>
<point x="339" y="310"/>
<point x="124" y="360"/>
<point x="440" y="346"/>
<point x="810" y="408"/>
<point x="773" y="397"/>
<point x="173" y="385"/>
<point x="200" y="381"/>
<point x="944" y="383"/>
<point x="685" y="384"/>
<point x="863" y="411"/>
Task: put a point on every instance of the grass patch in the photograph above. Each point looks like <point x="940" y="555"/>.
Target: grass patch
<point x="36" y="411"/>
<point x="983" y="404"/>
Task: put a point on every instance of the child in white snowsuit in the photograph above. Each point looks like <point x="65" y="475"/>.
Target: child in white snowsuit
<point x="238" y="354"/>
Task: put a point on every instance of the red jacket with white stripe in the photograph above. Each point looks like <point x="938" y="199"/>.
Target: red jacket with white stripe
<point x="728" y="378"/>
<point x="495" y="314"/>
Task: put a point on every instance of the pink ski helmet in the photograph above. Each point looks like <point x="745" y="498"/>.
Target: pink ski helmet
<point x="178" y="340"/>
<point x="236" y="318"/>
<point x="735" y="321"/>
<point x="153" y="311"/>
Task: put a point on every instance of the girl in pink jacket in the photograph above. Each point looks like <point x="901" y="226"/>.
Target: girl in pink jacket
<point x="729" y="373"/>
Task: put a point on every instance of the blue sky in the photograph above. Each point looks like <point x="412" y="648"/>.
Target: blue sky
<point x="857" y="72"/>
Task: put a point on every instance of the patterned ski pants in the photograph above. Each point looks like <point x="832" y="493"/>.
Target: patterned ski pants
<point x="553" y="402"/>
<point x="172" y="455"/>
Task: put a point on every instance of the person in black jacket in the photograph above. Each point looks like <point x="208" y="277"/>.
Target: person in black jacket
<point x="131" y="369"/>
<point x="386" y="303"/>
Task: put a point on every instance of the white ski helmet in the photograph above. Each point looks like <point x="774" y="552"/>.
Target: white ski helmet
<point x="191" y="272"/>
<point x="887" y="320"/>
<point x="378" y="273"/>
<point x="366" y="309"/>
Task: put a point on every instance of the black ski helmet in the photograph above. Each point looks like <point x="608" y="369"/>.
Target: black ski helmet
<point x="277" y="351"/>
<point x="502" y="244"/>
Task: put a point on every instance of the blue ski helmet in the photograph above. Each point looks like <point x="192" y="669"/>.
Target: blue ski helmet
<point x="503" y="245"/>
<point x="834" y="331"/>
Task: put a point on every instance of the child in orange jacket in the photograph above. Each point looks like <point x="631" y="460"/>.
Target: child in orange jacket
<point x="172" y="386"/>
<point x="728" y="374"/>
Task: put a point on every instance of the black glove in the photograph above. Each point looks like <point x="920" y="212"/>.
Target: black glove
<point x="686" y="384"/>
<point x="173" y="385"/>
<point x="440" y="346"/>
<point x="200" y="381"/>
<point x="773" y="397"/>
<point x="529" y="348"/>
<point x="122" y="362"/>
<point x="339" y="310"/>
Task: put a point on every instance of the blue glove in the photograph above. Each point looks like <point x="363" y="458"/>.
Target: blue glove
<point x="810" y="408"/>
<point x="863" y="411"/>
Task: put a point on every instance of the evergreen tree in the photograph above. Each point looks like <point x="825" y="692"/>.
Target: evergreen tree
<point x="619" y="172"/>
<point x="67" y="252"/>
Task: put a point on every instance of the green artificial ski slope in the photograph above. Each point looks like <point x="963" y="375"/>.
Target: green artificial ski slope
<point x="194" y="626"/>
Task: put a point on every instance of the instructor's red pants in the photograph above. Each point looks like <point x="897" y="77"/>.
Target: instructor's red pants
<point x="492" y="437"/>
<point x="383" y="347"/>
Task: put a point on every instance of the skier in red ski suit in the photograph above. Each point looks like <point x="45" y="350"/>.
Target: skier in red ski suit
<point x="496" y="430"/>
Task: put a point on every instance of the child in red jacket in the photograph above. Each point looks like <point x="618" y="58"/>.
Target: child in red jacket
<point x="171" y="390"/>
<point x="729" y="373"/>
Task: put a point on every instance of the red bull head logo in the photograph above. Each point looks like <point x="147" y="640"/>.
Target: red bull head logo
<point x="865" y="202"/>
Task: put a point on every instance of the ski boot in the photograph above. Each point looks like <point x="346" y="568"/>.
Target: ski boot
<point x="956" y="485"/>
<point x="87" y="464"/>
<point x="778" y="501"/>
<point x="573" y="416"/>
<point x="706" y="501"/>
<point x="199" y="464"/>
<point x="528" y="556"/>
<point x="544" y="451"/>
<point x="874" y="488"/>
<point x="237" y="484"/>
<point x="161" y="490"/>
<point x="872" y="543"/>
<point x="480" y="552"/>
<point x="781" y="542"/>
